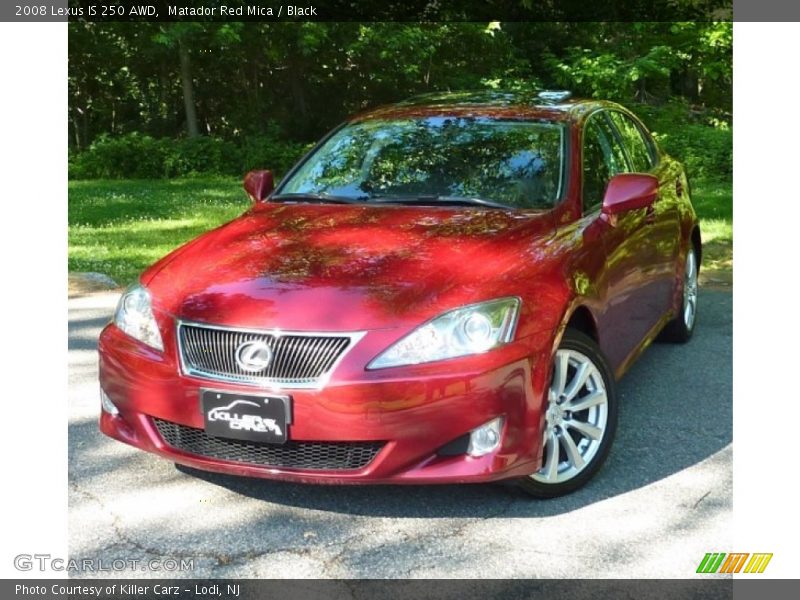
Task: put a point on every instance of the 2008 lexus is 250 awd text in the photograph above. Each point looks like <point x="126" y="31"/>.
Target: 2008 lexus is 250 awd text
<point x="443" y="290"/>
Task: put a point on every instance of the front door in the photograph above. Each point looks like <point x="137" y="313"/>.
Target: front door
<point x="632" y="297"/>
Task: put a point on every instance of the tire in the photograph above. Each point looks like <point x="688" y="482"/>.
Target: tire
<point x="590" y="430"/>
<point x="680" y="329"/>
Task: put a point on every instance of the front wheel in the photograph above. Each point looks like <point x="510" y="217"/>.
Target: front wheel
<point x="580" y="418"/>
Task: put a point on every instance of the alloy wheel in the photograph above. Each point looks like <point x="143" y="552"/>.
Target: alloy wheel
<point x="690" y="290"/>
<point x="576" y="417"/>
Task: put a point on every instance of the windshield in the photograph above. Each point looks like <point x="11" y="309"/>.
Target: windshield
<point x="515" y="163"/>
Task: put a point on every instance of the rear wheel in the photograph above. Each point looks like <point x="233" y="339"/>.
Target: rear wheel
<point x="680" y="328"/>
<point x="580" y="419"/>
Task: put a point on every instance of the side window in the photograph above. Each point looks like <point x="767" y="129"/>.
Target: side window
<point x="640" y="149"/>
<point x="603" y="157"/>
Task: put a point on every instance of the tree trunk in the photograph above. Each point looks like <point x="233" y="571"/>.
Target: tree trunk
<point x="686" y="83"/>
<point x="77" y="133"/>
<point x="691" y="85"/>
<point x="188" y="92"/>
<point x="298" y="94"/>
<point x="87" y="139"/>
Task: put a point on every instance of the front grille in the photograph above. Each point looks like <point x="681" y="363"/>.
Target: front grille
<point x="315" y="456"/>
<point x="299" y="360"/>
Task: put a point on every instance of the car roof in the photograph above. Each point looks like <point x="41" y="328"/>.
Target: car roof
<point x="494" y="104"/>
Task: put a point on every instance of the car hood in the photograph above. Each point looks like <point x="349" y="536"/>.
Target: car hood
<point x="345" y="268"/>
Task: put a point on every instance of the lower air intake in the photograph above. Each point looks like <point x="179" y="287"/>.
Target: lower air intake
<point x="315" y="456"/>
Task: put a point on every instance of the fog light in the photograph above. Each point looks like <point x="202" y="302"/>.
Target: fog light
<point x="485" y="438"/>
<point x="107" y="404"/>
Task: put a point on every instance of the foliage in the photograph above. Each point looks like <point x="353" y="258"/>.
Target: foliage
<point x="704" y="143"/>
<point x="134" y="155"/>
<point x="260" y="151"/>
<point x="705" y="152"/>
<point x="648" y="62"/>
<point x="207" y="155"/>
<point x="266" y="86"/>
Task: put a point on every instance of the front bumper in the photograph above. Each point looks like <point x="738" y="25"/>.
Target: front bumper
<point x="411" y="411"/>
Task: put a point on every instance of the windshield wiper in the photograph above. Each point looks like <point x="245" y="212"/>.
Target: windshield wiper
<point x="434" y="200"/>
<point x="315" y="197"/>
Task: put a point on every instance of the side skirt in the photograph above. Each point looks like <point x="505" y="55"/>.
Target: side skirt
<point x="648" y="339"/>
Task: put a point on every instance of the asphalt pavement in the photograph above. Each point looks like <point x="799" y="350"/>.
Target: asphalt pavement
<point x="663" y="499"/>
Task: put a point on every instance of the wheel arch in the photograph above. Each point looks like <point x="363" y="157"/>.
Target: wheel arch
<point x="696" y="241"/>
<point x="582" y="319"/>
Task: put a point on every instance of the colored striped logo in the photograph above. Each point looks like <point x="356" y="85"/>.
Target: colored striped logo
<point x="719" y="562"/>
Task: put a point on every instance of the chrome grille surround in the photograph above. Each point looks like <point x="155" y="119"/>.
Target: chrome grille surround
<point x="300" y="359"/>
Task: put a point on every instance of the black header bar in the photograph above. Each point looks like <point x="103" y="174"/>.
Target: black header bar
<point x="367" y="10"/>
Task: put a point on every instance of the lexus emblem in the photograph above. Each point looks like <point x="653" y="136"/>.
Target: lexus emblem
<point x="253" y="356"/>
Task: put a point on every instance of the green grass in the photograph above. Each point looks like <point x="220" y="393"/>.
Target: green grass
<point x="121" y="227"/>
<point x="713" y="201"/>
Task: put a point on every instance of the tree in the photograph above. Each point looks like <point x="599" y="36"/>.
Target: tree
<point x="295" y="80"/>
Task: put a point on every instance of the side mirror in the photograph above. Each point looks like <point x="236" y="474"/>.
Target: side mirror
<point x="258" y="185"/>
<point x="629" y="191"/>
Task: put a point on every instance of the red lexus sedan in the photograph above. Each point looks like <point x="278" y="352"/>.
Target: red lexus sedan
<point x="443" y="290"/>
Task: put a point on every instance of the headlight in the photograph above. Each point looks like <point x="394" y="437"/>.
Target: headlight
<point x="468" y="330"/>
<point x="135" y="317"/>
